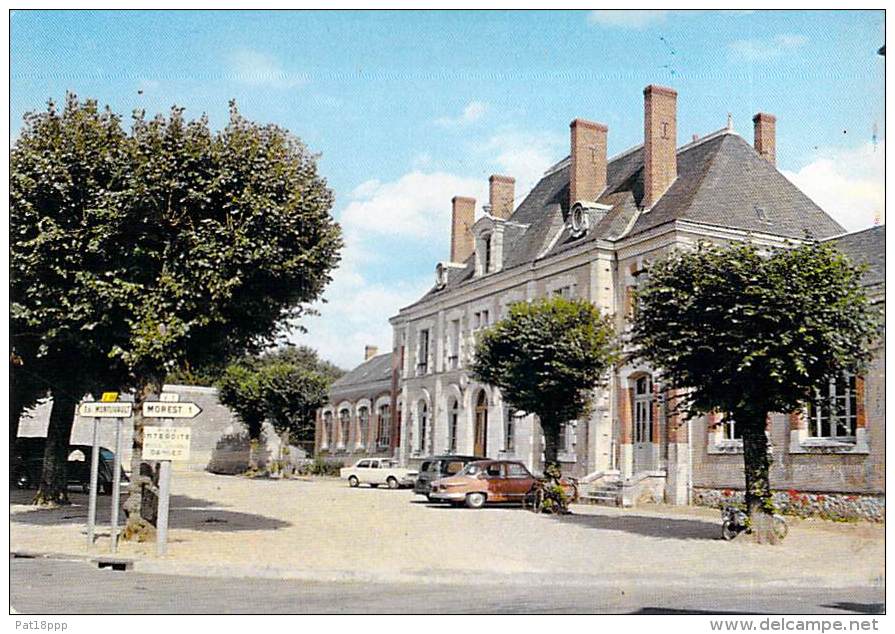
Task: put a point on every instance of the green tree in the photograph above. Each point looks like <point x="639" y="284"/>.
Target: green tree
<point x="169" y="245"/>
<point x="547" y="357"/>
<point x="284" y="386"/>
<point x="66" y="169"/>
<point x="747" y="333"/>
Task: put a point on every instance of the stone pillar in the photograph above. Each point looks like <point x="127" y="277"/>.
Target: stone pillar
<point x="678" y="476"/>
<point x="626" y="435"/>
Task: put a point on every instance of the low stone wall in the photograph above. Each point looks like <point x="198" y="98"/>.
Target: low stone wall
<point x="834" y="506"/>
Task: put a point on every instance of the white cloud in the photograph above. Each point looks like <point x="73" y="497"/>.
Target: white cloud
<point x="472" y="112"/>
<point x="522" y="155"/>
<point x="758" y="49"/>
<point x="356" y="314"/>
<point x="260" y="69"/>
<point x="849" y="184"/>
<point x="626" y="19"/>
<point x="417" y="205"/>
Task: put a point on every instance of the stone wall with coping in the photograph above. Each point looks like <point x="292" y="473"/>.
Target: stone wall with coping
<point x="834" y="506"/>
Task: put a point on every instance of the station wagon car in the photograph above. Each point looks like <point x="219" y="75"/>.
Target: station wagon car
<point x="485" y="481"/>
<point x="376" y="471"/>
<point x="437" y="467"/>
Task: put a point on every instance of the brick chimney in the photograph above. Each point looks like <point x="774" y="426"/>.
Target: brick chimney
<point x="659" y="142"/>
<point x="587" y="178"/>
<point x="462" y="219"/>
<point x="501" y="191"/>
<point x="370" y="352"/>
<point x="766" y="136"/>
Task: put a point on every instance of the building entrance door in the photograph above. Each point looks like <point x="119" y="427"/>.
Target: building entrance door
<point x="643" y="424"/>
<point x="481" y="426"/>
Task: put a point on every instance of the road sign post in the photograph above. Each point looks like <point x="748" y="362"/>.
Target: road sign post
<point x="107" y="408"/>
<point x="116" y="483"/>
<point x="94" y="478"/>
<point x="166" y="446"/>
<point x="164" y="498"/>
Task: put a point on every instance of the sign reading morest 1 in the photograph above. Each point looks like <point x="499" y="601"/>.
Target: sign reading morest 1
<point x="162" y="409"/>
<point x="166" y="443"/>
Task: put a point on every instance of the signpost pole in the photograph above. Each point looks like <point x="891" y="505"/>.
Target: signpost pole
<point x="116" y="483"/>
<point x="164" y="495"/>
<point x="94" y="477"/>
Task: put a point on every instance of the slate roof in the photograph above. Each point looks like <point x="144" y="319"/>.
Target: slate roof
<point x="722" y="181"/>
<point x="866" y="247"/>
<point x="367" y="374"/>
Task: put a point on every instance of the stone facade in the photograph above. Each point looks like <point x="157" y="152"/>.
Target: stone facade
<point x="590" y="229"/>
<point x="356" y="421"/>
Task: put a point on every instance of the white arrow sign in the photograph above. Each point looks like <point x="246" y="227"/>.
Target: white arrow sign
<point x="106" y="410"/>
<point x="160" y="409"/>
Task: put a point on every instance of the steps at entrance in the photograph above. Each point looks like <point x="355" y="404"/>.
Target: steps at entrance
<point x="606" y="494"/>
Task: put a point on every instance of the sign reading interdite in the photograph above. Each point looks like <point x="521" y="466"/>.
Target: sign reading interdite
<point x="95" y="409"/>
<point x="162" y="409"/>
<point x="166" y="443"/>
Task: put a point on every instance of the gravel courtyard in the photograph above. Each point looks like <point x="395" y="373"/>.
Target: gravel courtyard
<point x="322" y="529"/>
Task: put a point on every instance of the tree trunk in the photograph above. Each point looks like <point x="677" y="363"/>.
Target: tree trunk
<point x="53" y="488"/>
<point x="757" y="463"/>
<point x="551" y="448"/>
<point x="139" y="525"/>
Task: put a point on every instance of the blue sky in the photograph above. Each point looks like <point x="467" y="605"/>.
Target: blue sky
<point x="408" y="109"/>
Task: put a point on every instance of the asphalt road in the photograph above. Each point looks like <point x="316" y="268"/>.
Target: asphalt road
<point x="46" y="586"/>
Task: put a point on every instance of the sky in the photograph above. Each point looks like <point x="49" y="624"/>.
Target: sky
<point x="408" y="109"/>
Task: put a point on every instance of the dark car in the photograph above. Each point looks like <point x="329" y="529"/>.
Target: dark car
<point x="437" y="467"/>
<point x="28" y="461"/>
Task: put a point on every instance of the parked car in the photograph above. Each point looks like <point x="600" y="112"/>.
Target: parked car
<point x="376" y="471"/>
<point x="486" y="481"/>
<point x="437" y="467"/>
<point x="28" y="462"/>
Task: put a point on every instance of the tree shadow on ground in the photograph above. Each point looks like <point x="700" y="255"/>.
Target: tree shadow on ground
<point x="664" y="527"/>
<point x="185" y="513"/>
<point x="651" y="610"/>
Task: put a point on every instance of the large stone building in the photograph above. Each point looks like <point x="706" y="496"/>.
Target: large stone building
<point x="357" y="420"/>
<point x="589" y="229"/>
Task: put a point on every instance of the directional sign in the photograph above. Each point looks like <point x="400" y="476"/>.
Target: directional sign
<point x="106" y="410"/>
<point x="166" y="443"/>
<point x="160" y="409"/>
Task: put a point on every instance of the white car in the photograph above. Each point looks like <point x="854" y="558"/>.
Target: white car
<point x="376" y="471"/>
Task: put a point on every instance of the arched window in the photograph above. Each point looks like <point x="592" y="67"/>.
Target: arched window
<point x="363" y="425"/>
<point x="344" y="427"/>
<point x="327" y="430"/>
<point x="423" y="418"/>
<point x="453" y="423"/>
<point x="383" y="430"/>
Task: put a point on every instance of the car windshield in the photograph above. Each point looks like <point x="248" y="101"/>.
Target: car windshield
<point x="472" y="469"/>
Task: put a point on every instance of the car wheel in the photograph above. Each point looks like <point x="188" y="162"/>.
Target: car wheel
<point x="392" y="482"/>
<point x="353" y="481"/>
<point x="106" y="488"/>
<point x="475" y="500"/>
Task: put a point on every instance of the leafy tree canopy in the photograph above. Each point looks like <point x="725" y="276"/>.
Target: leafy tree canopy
<point x="547" y="356"/>
<point x="752" y="331"/>
<point x="284" y="386"/>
